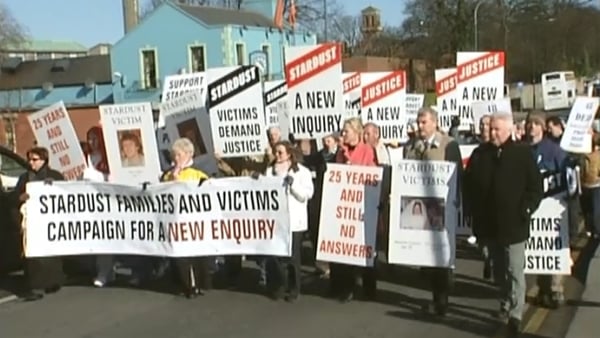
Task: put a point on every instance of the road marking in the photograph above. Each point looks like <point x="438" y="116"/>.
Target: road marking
<point x="8" y="299"/>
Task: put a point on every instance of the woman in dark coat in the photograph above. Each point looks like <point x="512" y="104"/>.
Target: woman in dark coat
<point x="41" y="273"/>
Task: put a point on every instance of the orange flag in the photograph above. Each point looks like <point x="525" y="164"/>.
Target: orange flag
<point x="292" y="15"/>
<point x="278" y="20"/>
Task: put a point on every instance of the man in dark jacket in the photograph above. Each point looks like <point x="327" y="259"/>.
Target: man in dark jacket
<point x="503" y="188"/>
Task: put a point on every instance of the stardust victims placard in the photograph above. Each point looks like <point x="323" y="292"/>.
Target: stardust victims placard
<point x="229" y="216"/>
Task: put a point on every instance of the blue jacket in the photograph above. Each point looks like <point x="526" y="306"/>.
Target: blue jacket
<point x="549" y="156"/>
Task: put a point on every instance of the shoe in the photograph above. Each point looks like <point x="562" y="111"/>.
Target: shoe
<point x="440" y="309"/>
<point x="487" y="271"/>
<point x="543" y="300"/>
<point x="32" y="296"/>
<point x="513" y="328"/>
<point x="556" y="300"/>
<point x="291" y="298"/>
<point x="52" y="289"/>
<point x="135" y="282"/>
<point x="98" y="283"/>
<point x="277" y="294"/>
<point x="347" y="297"/>
<point x="502" y="316"/>
<point x="192" y="293"/>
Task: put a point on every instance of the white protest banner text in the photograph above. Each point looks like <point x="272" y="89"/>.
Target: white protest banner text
<point x="577" y="137"/>
<point x="348" y="226"/>
<point x="383" y="102"/>
<point x="315" y="96"/>
<point x="351" y="84"/>
<point x="186" y="116"/>
<point x="130" y="143"/>
<point x="480" y="77"/>
<point x="275" y="92"/>
<point x="178" y="85"/>
<point x="445" y="90"/>
<point x="229" y="216"/>
<point x="423" y="214"/>
<point x="54" y="131"/>
<point x="414" y="102"/>
<point x="237" y="111"/>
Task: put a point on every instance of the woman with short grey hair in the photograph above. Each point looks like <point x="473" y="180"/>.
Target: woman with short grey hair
<point x="183" y="145"/>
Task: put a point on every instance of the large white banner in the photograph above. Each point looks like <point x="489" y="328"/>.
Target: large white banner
<point x="352" y="90"/>
<point x="445" y="90"/>
<point x="315" y="95"/>
<point x="480" y="77"/>
<point x="54" y="131"/>
<point x="383" y="102"/>
<point x="186" y="116"/>
<point x="577" y="137"/>
<point x="237" y="111"/>
<point x="230" y="216"/>
<point x="348" y="226"/>
<point x="423" y="214"/>
<point x="180" y="84"/>
<point x="547" y="250"/>
<point x="130" y="141"/>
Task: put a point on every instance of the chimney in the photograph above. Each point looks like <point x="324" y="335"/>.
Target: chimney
<point x="130" y="14"/>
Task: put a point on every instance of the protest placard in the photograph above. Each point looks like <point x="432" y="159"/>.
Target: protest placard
<point x="484" y="108"/>
<point x="275" y="92"/>
<point x="180" y="84"/>
<point x="480" y="77"/>
<point x="414" y="102"/>
<point x="315" y="95"/>
<point x="352" y="91"/>
<point x="577" y="137"/>
<point x="186" y="116"/>
<point x="446" y="101"/>
<point x="229" y="216"/>
<point x="547" y="249"/>
<point x="383" y="102"/>
<point x="237" y="111"/>
<point x="423" y="214"/>
<point x="130" y="141"/>
<point x="348" y="223"/>
<point x="53" y="130"/>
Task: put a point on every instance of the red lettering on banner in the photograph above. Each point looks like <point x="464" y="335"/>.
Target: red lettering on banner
<point x="362" y="178"/>
<point x="71" y="174"/>
<point x="351" y="195"/>
<point x="54" y="115"/>
<point x="351" y="82"/>
<point x="186" y="231"/>
<point x="349" y="213"/>
<point x="383" y="87"/>
<point x="346" y="249"/>
<point x="54" y="132"/>
<point x="348" y="231"/>
<point x="445" y="85"/>
<point x="316" y="61"/>
<point x="479" y="66"/>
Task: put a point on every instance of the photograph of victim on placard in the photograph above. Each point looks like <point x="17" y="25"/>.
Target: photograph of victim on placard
<point x="189" y="129"/>
<point x="422" y="213"/>
<point x="131" y="148"/>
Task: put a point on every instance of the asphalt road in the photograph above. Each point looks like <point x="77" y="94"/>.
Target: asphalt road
<point x="83" y="311"/>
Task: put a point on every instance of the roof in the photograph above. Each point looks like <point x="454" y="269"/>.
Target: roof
<point x="60" y="72"/>
<point x="370" y="9"/>
<point x="214" y="16"/>
<point x="46" y="46"/>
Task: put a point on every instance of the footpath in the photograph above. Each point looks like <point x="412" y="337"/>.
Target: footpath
<point x="585" y="323"/>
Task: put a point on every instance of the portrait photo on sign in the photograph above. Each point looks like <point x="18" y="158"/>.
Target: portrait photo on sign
<point x="422" y="213"/>
<point x="189" y="129"/>
<point x="131" y="148"/>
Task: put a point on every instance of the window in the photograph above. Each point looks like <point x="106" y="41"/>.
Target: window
<point x="197" y="58"/>
<point x="240" y="51"/>
<point x="267" y="50"/>
<point x="149" y="71"/>
<point x="9" y="131"/>
<point x="44" y="56"/>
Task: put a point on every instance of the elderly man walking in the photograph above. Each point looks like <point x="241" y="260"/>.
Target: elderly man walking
<point x="503" y="188"/>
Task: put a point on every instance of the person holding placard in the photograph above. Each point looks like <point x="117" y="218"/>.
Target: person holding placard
<point x="193" y="271"/>
<point x="283" y="274"/>
<point x="343" y="277"/>
<point x="41" y="273"/>
<point x="432" y="145"/>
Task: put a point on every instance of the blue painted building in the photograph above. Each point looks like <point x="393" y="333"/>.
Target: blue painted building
<point x="177" y="39"/>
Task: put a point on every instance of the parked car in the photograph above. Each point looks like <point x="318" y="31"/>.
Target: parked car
<point x="11" y="167"/>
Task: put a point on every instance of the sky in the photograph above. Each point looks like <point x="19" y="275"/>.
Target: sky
<point x="90" y="22"/>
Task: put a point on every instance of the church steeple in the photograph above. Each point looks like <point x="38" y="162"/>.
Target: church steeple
<point x="371" y="21"/>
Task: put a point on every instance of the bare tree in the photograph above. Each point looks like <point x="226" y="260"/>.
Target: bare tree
<point x="347" y="30"/>
<point x="11" y="32"/>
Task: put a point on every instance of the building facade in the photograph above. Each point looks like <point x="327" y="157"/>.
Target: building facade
<point x="31" y="50"/>
<point x="176" y="39"/>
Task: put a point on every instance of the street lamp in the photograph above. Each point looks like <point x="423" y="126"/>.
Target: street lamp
<point x="475" y="25"/>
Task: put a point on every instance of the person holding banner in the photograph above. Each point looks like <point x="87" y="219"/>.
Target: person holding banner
<point x="343" y="277"/>
<point x="41" y="273"/>
<point x="503" y="188"/>
<point x="432" y="145"/>
<point x="193" y="271"/>
<point x="283" y="274"/>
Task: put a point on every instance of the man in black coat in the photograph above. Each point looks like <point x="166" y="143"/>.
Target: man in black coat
<point x="503" y="188"/>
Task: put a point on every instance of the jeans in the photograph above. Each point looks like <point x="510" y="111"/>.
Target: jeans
<point x="509" y="274"/>
<point x="590" y="205"/>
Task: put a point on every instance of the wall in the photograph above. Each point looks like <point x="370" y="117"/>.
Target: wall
<point x="82" y="119"/>
<point x="36" y="98"/>
<point x="158" y="31"/>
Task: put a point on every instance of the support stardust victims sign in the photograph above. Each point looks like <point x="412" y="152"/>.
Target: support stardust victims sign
<point x="383" y="102"/>
<point x="229" y="216"/>
<point x="237" y="111"/>
<point x="315" y="95"/>
<point x="480" y="77"/>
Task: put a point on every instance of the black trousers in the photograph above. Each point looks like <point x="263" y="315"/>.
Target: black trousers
<point x="193" y="272"/>
<point x="285" y="273"/>
<point x="441" y="281"/>
<point x="233" y="269"/>
<point x="44" y="272"/>
<point x="343" y="279"/>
